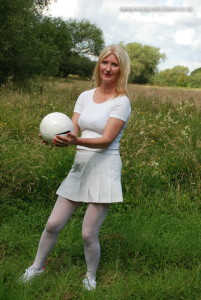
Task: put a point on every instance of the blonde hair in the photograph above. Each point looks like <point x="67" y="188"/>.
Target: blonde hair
<point x="124" y="67"/>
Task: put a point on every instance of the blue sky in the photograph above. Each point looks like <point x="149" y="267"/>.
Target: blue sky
<point x="176" y="33"/>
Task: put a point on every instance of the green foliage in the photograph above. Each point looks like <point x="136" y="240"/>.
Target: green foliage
<point x="161" y="145"/>
<point x="77" y="65"/>
<point x="177" y="76"/>
<point x="55" y="45"/>
<point x="144" y="62"/>
<point x="87" y="38"/>
<point x="150" y="244"/>
<point x="196" y="71"/>
<point x="164" y="152"/>
<point x="31" y="44"/>
<point x="195" y="78"/>
<point x="87" y="41"/>
<point x="17" y="19"/>
<point x="20" y="131"/>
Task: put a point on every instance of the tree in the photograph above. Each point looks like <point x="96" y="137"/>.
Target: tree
<point x="55" y="39"/>
<point x="196" y="71"/>
<point x="87" y="38"/>
<point x="77" y="65"/>
<point x="87" y="41"/>
<point x="177" y="76"/>
<point x="32" y="44"/>
<point x="195" y="78"/>
<point x="19" y="46"/>
<point x="144" y="62"/>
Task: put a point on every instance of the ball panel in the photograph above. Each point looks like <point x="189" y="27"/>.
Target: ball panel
<point x="55" y="124"/>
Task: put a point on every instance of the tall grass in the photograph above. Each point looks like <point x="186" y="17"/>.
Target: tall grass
<point x="151" y="244"/>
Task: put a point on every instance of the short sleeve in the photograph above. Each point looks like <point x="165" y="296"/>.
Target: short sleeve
<point x="79" y="104"/>
<point x="82" y="100"/>
<point x="121" y="108"/>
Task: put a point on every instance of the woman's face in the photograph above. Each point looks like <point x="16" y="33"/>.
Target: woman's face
<point x="109" y="69"/>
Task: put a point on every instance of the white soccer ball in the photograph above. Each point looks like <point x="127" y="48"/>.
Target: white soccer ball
<point x="53" y="124"/>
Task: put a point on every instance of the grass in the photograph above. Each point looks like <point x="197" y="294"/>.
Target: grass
<point x="151" y="244"/>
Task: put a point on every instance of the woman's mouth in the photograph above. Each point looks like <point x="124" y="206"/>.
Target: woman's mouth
<point x="107" y="74"/>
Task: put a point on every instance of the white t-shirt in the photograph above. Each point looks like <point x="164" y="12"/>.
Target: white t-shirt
<point x="94" y="116"/>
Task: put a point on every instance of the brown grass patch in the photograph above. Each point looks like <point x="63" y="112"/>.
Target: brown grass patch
<point x="165" y="93"/>
<point x="135" y="90"/>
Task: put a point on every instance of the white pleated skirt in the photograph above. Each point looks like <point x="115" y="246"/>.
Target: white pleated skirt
<point x="94" y="178"/>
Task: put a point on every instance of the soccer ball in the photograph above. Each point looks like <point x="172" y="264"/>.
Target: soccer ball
<point x="53" y="124"/>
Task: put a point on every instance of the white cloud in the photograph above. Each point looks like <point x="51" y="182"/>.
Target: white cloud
<point x="190" y="65"/>
<point x="64" y="8"/>
<point x="173" y="2"/>
<point x="177" y="34"/>
<point x="185" y="37"/>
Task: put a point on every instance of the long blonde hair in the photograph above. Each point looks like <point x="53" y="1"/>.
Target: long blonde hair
<point x="124" y="66"/>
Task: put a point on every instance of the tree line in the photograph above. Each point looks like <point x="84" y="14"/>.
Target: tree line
<point x="34" y="44"/>
<point x="178" y="76"/>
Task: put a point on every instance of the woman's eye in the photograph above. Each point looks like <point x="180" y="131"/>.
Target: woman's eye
<point x="112" y="64"/>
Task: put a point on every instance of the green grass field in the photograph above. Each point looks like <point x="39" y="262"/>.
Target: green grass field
<point x="151" y="244"/>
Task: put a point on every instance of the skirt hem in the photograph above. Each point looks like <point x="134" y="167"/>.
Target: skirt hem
<point x="93" y="178"/>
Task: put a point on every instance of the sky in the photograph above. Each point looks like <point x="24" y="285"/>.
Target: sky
<point x="174" y="26"/>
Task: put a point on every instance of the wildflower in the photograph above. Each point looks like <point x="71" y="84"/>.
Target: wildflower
<point x="183" y="132"/>
<point x="154" y="163"/>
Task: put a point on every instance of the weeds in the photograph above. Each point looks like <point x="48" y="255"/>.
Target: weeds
<point x="151" y="243"/>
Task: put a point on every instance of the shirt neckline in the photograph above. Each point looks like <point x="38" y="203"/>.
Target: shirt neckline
<point x="100" y="102"/>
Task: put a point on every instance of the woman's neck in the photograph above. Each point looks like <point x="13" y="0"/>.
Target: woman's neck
<point x="107" y="89"/>
<point x="103" y="93"/>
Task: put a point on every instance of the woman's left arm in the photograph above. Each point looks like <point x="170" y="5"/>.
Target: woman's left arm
<point x="76" y="127"/>
<point x="112" y="129"/>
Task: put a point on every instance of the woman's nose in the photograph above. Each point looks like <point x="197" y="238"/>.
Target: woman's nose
<point x="108" y="68"/>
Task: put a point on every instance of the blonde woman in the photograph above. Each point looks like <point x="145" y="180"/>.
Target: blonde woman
<point x="101" y="115"/>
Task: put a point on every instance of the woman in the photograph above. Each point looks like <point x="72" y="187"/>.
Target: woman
<point x="101" y="115"/>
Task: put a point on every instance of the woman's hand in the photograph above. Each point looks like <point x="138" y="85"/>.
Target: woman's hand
<point x="42" y="141"/>
<point x="65" y="140"/>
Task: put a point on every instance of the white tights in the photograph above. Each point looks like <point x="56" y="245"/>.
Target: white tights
<point x="61" y="213"/>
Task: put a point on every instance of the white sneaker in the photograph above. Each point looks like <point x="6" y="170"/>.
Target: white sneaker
<point x="89" y="282"/>
<point x="29" y="274"/>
